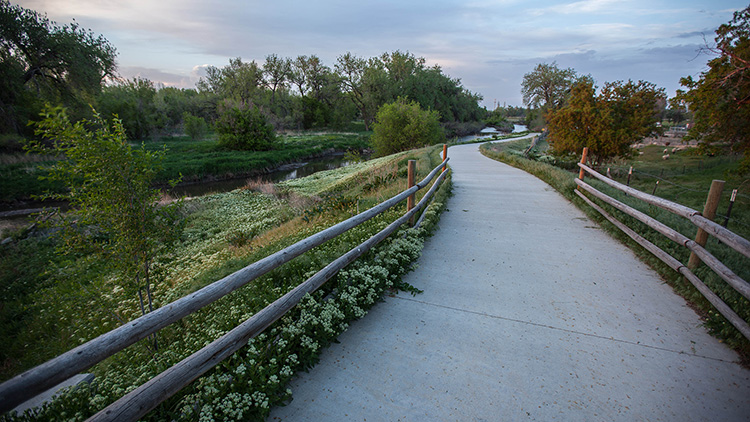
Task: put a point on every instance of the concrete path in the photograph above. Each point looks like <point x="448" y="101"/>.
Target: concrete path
<point x="529" y="312"/>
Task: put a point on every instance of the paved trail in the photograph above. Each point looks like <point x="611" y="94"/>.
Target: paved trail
<point x="529" y="312"/>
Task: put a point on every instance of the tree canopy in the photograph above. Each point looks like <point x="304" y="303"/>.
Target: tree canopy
<point x="403" y="125"/>
<point x="547" y="86"/>
<point x="607" y="123"/>
<point x="41" y="61"/>
<point x="720" y="98"/>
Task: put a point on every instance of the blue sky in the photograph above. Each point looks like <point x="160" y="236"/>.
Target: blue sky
<point x="489" y="45"/>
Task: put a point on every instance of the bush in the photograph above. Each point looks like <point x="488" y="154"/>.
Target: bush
<point x="244" y="127"/>
<point x="402" y="125"/>
<point x="195" y="127"/>
<point x="497" y="120"/>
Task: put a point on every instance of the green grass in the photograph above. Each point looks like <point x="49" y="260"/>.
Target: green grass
<point x="191" y="160"/>
<point x="688" y="188"/>
<point x="54" y="303"/>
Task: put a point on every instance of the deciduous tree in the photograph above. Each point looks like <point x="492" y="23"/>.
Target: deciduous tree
<point x="132" y="100"/>
<point x="607" y="123"/>
<point x="114" y="210"/>
<point x="720" y="98"/>
<point x="276" y="71"/>
<point x="547" y="86"/>
<point x="403" y="125"/>
<point x="41" y="61"/>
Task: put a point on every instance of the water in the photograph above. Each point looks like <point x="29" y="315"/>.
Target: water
<point x="489" y="132"/>
<point x="286" y="172"/>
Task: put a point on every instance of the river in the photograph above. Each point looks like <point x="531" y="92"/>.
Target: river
<point x="489" y="132"/>
<point x="285" y="172"/>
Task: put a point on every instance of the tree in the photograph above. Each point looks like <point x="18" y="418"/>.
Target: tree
<point x="244" y="127"/>
<point x="41" y="61"/>
<point x="608" y="123"/>
<point x="132" y="100"/>
<point x="360" y="79"/>
<point x="403" y="125"/>
<point x="276" y="71"/>
<point x="239" y="81"/>
<point x="720" y="98"/>
<point x="379" y="80"/>
<point x="547" y="86"/>
<point x="114" y="210"/>
<point x="498" y="120"/>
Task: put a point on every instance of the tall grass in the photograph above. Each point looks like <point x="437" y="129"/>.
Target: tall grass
<point x="691" y="188"/>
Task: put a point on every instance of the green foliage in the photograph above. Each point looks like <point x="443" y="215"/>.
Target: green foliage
<point x="132" y="101"/>
<point x="114" y="214"/>
<point x="239" y="81"/>
<point x="547" y="86"/>
<point x="719" y="98"/>
<point x="608" y="123"/>
<point x="245" y="128"/>
<point x="330" y="203"/>
<point x="195" y="127"/>
<point x="186" y="159"/>
<point x="403" y="125"/>
<point x="373" y="82"/>
<point x="41" y="61"/>
<point x="498" y="120"/>
<point x="255" y="378"/>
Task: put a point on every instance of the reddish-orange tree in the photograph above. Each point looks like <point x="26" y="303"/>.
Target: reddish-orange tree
<point x="607" y="123"/>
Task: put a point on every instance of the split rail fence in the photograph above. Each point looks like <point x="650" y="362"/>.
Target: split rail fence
<point x="146" y="397"/>
<point x="704" y="222"/>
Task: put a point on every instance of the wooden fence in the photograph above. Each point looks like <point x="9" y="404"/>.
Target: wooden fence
<point x="146" y="397"/>
<point x="706" y="226"/>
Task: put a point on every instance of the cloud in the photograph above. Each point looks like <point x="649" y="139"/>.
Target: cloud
<point x="585" y="6"/>
<point x="160" y="77"/>
<point x="488" y="44"/>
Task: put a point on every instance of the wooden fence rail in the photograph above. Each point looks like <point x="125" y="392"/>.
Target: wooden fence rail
<point x="47" y="375"/>
<point x="731" y="239"/>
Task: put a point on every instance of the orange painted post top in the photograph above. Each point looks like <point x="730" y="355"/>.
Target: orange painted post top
<point x="583" y="161"/>
<point x="445" y="154"/>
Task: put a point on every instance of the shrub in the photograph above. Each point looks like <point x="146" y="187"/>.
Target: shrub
<point x="402" y="125"/>
<point x="244" y="127"/>
<point x="195" y="127"/>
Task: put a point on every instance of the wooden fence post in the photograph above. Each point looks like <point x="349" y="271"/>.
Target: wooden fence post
<point x="709" y="211"/>
<point x="583" y="161"/>
<point x="445" y="154"/>
<point x="412" y="168"/>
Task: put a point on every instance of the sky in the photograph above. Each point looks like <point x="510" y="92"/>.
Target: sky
<point x="488" y="45"/>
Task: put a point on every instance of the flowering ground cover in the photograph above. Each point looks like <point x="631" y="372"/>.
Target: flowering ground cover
<point x="66" y="303"/>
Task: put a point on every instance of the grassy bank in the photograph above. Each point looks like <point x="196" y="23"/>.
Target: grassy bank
<point x="193" y="160"/>
<point x="54" y="304"/>
<point x="684" y="178"/>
